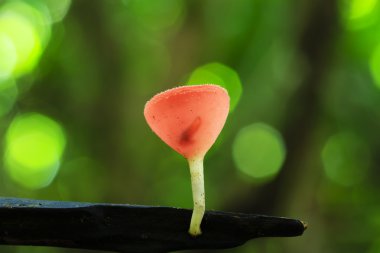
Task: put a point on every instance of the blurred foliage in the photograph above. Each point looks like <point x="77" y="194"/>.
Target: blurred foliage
<point x="301" y="140"/>
<point x="346" y="159"/>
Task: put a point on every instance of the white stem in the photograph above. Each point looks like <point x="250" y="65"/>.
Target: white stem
<point x="197" y="184"/>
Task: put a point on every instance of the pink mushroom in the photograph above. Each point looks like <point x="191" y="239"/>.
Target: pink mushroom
<point x="189" y="119"/>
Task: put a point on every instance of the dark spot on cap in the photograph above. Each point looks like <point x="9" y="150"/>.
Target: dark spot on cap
<point x="188" y="134"/>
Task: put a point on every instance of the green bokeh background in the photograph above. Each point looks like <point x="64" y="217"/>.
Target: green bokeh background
<point x="304" y="75"/>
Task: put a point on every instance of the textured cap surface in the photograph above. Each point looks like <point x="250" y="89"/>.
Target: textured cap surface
<point x="188" y="118"/>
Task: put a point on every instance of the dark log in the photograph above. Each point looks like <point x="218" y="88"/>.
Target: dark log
<point x="130" y="228"/>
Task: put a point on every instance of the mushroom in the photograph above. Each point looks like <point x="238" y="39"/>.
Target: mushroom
<point x="189" y="119"/>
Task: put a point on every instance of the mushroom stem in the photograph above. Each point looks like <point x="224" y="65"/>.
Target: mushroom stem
<point x="197" y="184"/>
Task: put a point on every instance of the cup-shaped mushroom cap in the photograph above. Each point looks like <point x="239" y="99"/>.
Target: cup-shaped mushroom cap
<point x="188" y="118"/>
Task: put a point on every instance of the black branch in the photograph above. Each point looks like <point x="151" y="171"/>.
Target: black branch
<point x="130" y="228"/>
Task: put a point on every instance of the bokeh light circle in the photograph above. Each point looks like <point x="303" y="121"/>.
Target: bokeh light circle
<point x="28" y="30"/>
<point x="8" y="57"/>
<point x="359" y="14"/>
<point x="361" y="8"/>
<point x="346" y="159"/>
<point x="34" y="146"/>
<point x="34" y="12"/>
<point x="259" y="151"/>
<point x="375" y="66"/>
<point x="57" y="9"/>
<point x="217" y="73"/>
